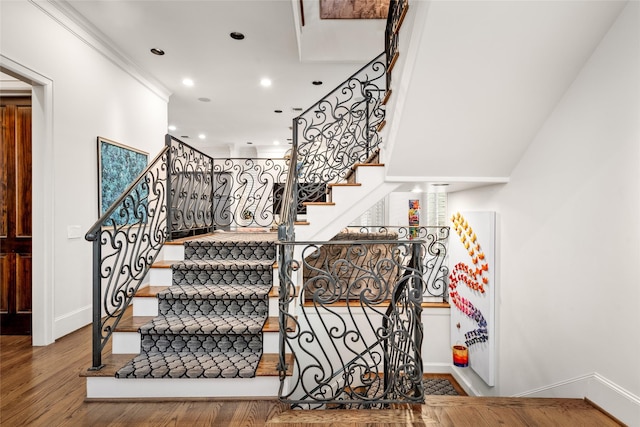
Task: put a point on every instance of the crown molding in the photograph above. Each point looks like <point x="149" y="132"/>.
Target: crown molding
<point x="66" y="16"/>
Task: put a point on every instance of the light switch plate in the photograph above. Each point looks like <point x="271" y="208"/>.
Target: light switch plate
<point x="74" y="232"/>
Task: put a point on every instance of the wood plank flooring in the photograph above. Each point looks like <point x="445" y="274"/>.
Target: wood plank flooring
<point x="41" y="386"/>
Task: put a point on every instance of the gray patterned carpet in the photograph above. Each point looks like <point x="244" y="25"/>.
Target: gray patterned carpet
<point x="211" y="318"/>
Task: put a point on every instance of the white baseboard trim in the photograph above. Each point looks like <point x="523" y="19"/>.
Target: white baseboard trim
<point x="617" y="401"/>
<point x="67" y="323"/>
<point x="436" y="368"/>
<point x="464" y="382"/>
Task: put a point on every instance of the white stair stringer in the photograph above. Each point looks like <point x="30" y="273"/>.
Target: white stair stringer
<point x="325" y="221"/>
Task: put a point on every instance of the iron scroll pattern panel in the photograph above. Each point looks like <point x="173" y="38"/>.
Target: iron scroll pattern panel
<point x="356" y="331"/>
<point x="222" y="193"/>
<point x="126" y="241"/>
<point x="341" y="129"/>
<point x="247" y="192"/>
<point x="191" y="189"/>
<point x="397" y="12"/>
<point x="435" y="248"/>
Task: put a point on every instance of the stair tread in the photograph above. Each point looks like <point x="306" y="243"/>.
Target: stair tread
<point x="202" y="325"/>
<point x="275" y="291"/>
<point x="358" y="165"/>
<point x="357" y="303"/>
<point x="152" y="291"/>
<point x="162" y="264"/>
<point x="133" y="324"/>
<point x="113" y="362"/>
<point x="216" y="291"/>
<point x="273" y="325"/>
<point x="196" y="364"/>
<point x="345" y="184"/>
<point x="149" y="291"/>
<point x="318" y="204"/>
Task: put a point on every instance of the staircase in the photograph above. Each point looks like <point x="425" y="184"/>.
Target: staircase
<point x="200" y="318"/>
<point x="365" y="185"/>
<point x="209" y="332"/>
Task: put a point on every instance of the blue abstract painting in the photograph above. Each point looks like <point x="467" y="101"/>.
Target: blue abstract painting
<point x="118" y="167"/>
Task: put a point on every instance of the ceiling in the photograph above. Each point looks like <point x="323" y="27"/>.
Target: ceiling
<point x="476" y="79"/>
<point x="227" y="104"/>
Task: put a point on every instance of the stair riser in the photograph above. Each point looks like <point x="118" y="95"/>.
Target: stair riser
<point x="162" y="277"/>
<point x="148" y="306"/>
<point x="145" y="306"/>
<point x="230" y="251"/>
<point x="208" y="277"/>
<point x="112" y="388"/>
<point x="167" y="343"/>
<point x="171" y="253"/>
<point x="130" y="342"/>
<point x="219" y="307"/>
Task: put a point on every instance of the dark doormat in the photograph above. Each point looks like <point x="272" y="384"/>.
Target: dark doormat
<point x="441" y="385"/>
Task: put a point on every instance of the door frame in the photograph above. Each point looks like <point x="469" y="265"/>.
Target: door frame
<point x="43" y="196"/>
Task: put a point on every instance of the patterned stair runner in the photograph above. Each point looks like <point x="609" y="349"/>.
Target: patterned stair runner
<point x="211" y="318"/>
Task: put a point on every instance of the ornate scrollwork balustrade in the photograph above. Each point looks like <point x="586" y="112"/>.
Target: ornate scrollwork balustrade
<point x="435" y="243"/>
<point x="181" y="192"/>
<point x="248" y="192"/>
<point x="126" y="241"/>
<point x="207" y="193"/>
<point x="358" y="332"/>
<point x="397" y="11"/>
<point x="339" y="131"/>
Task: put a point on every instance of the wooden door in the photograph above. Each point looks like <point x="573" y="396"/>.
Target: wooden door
<point x="15" y="216"/>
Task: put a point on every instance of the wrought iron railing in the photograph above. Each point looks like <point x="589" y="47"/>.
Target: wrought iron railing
<point x="397" y="11"/>
<point x="340" y="130"/>
<point x="181" y="192"/>
<point x="358" y="332"/>
<point x="126" y="241"/>
<point x="209" y="193"/>
<point x="435" y="244"/>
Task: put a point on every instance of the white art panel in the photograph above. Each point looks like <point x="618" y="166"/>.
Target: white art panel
<point x="472" y="290"/>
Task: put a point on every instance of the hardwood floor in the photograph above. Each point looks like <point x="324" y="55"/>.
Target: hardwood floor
<point x="41" y="386"/>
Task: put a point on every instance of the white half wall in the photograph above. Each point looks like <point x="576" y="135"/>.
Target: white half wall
<point x="570" y="240"/>
<point x="84" y="92"/>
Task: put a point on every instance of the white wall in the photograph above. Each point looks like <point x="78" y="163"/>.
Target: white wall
<point x="86" y="95"/>
<point x="569" y="293"/>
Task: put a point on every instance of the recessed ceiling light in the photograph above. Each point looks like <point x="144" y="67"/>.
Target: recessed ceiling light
<point x="316" y="82"/>
<point x="249" y="143"/>
<point x="172" y="128"/>
<point x="297" y="109"/>
<point x="276" y="142"/>
<point x="236" y="35"/>
<point x="157" y="51"/>
<point x="187" y="82"/>
<point x="441" y="184"/>
<point x="416" y="189"/>
<point x="277" y="111"/>
<point x="204" y="99"/>
<point x="185" y="136"/>
<point x="202" y="136"/>
<point x="265" y="82"/>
